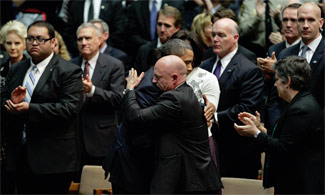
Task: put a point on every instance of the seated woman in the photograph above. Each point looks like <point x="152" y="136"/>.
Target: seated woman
<point x="13" y="35"/>
<point x="294" y="162"/>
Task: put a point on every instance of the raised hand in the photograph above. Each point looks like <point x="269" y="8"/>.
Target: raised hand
<point x="133" y="79"/>
<point x="18" y="95"/>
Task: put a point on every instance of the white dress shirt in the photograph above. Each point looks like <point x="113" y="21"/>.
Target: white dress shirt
<point x="96" y="6"/>
<point x="312" y="48"/>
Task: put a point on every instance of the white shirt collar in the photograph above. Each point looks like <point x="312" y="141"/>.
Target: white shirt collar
<point x="313" y="45"/>
<point x="159" y="43"/>
<point x="102" y="50"/>
<point x="96" y="6"/>
<point x="224" y="61"/>
<point x="289" y="45"/>
<point x="43" y="64"/>
<point x="92" y="62"/>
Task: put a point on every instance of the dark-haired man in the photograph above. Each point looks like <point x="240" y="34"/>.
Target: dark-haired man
<point x="42" y="99"/>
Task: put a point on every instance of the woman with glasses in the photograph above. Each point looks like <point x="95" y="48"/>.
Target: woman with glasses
<point x="13" y="35"/>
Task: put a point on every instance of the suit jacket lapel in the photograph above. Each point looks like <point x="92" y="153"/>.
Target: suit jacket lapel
<point x="22" y="71"/>
<point x="318" y="55"/>
<point x="99" y="70"/>
<point x="229" y="70"/>
<point x="46" y="74"/>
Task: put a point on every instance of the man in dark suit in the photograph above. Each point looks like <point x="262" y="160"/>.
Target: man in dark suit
<point x="312" y="38"/>
<point x="41" y="130"/>
<point x="228" y="13"/>
<point x="103" y="82"/>
<point x="274" y="104"/>
<point x="111" y="11"/>
<point x="104" y="47"/>
<point x="241" y="86"/>
<point x="184" y="164"/>
<point x="139" y="20"/>
<point x="169" y="21"/>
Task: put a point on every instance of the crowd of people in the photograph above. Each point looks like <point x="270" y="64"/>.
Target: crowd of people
<point x="167" y="96"/>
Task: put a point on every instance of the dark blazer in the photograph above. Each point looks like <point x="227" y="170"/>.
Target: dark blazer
<point x="294" y="162"/>
<point x="111" y="12"/>
<point x="141" y="62"/>
<point x="116" y="53"/>
<point x="184" y="162"/>
<point x="130" y="160"/>
<point x="50" y="119"/>
<point x="241" y="86"/>
<point x="247" y="53"/>
<point x="317" y="64"/>
<point x="139" y="20"/>
<point x="277" y="48"/>
<point x="98" y="117"/>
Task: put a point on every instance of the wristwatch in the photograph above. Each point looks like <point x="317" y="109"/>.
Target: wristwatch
<point x="126" y="90"/>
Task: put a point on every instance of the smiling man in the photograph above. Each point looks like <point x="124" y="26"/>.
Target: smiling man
<point x="103" y="82"/>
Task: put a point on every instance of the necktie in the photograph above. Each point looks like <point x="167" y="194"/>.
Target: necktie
<point x="303" y="51"/>
<point x="218" y="69"/>
<point x="268" y="24"/>
<point x="153" y="18"/>
<point x="86" y="70"/>
<point x="30" y="86"/>
<point x="30" y="83"/>
<point x="91" y="11"/>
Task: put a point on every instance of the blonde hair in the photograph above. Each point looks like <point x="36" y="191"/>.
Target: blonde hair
<point x="198" y="25"/>
<point x="63" y="51"/>
<point x="13" y="26"/>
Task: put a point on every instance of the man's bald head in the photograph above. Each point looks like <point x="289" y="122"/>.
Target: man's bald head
<point x="225" y="36"/>
<point x="169" y="72"/>
<point x="309" y="22"/>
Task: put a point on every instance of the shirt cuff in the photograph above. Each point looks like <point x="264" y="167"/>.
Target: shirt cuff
<point x="92" y="91"/>
<point x="256" y="134"/>
<point x="216" y="118"/>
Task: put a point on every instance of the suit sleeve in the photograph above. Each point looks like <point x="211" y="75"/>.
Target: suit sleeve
<point x="166" y="109"/>
<point x="251" y="91"/>
<point x="70" y="96"/>
<point x="112" y="95"/>
<point x="295" y="130"/>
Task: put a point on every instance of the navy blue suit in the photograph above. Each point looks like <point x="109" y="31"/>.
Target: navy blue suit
<point x="241" y="85"/>
<point x="116" y="53"/>
<point x="277" y="48"/>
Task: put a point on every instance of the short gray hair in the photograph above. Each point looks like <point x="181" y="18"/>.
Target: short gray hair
<point x="13" y="26"/>
<point x="104" y="25"/>
<point x="297" y="68"/>
<point x="88" y="25"/>
<point x="175" y="47"/>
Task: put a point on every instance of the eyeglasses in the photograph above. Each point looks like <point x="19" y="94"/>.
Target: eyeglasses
<point x="39" y="40"/>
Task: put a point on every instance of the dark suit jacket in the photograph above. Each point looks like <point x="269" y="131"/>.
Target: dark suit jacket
<point x="141" y="62"/>
<point x="130" y="160"/>
<point x="98" y="117"/>
<point x="277" y="48"/>
<point x="116" y="53"/>
<point x="294" y="162"/>
<point x="111" y="12"/>
<point x="317" y="64"/>
<point x="50" y="119"/>
<point x="184" y="162"/>
<point x="241" y="86"/>
<point x="139" y="20"/>
<point x="247" y="53"/>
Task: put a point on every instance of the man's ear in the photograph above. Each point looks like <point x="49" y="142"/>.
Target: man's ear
<point x="289" y="82"/>
<point x="175" y="78"/>
<point x="105" y="35"/>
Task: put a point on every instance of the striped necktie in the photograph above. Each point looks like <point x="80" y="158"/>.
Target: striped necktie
<point x="30" y="83"/>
